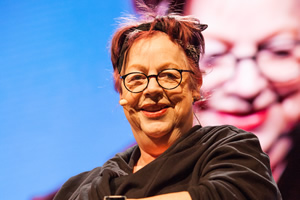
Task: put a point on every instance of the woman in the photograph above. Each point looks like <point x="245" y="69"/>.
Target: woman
<point x="253" y="75"/>
<point x="157" y="75"/>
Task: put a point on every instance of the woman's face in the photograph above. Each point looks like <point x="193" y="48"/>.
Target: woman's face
<point x="260" y="94"/>
<point x="158" y="116"/>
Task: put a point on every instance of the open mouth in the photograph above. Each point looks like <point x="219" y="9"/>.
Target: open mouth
<point x="154" y="111"/>
<point x="246" y="121"/>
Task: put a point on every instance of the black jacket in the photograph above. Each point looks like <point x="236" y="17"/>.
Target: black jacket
<point x="220" y="162"/>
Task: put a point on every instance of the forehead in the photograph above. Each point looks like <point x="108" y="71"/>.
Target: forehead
<point x="156" y="50"/>
<point x="245" y="19"/>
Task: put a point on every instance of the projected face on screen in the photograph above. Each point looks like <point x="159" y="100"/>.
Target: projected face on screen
<point x="252" y="68"/>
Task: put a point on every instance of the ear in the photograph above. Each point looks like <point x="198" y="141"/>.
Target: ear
<point x="196" y="94"/>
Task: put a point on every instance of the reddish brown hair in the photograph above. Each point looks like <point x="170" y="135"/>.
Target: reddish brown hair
<point x="184" y="31"/>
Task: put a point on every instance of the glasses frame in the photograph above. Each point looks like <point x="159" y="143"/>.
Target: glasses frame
<point x="254" y="57"/>
<point x="156" y="77"/>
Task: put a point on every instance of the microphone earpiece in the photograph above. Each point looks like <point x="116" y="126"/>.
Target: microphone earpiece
<point x="123" y="102"/>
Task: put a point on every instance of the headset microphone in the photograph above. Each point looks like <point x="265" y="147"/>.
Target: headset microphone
<point x="123" y="102"/>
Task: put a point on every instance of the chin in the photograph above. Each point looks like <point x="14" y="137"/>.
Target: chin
<point x="156" y="129"/>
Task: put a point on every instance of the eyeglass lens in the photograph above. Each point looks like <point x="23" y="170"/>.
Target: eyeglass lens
<point x="277" y="64"/>
<point x="167" y="79"/>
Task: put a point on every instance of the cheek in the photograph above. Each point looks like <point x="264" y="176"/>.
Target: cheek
<point x="130" y="108"/>
<point x="131" y="98"/>
<point x="182" y="102"/>
<point x="291" y="109"/>
<point x="132" y="101"/>
<point x="215" y="79"/>
<point x="177" y="95"/>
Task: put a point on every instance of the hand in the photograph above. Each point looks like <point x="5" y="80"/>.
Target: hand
<point x="170" y="196"/>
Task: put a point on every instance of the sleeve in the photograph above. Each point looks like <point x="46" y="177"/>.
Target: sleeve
<point x="235" y="168"/>
<point x="71" y="189"/>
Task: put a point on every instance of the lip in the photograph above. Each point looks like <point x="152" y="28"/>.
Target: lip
<point x="154" y="110"/>
<point x="247" y="122"/>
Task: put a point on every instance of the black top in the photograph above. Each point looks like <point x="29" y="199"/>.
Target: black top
<point x="289" y="182"/>
<point x="220" y="162"/>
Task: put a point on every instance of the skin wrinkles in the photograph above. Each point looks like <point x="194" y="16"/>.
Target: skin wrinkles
<point x="155" y="135"/>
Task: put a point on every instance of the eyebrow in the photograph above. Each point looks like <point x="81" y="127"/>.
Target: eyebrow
<point x="160" y="67"/>
<point x="280" y="35"/>
<point x="277" y="42"/>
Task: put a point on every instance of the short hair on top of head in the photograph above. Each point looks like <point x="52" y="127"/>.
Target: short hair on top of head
<point x="182" y="30"/>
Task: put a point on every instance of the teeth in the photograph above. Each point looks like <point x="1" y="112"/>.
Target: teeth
<point x="153" y="109"/>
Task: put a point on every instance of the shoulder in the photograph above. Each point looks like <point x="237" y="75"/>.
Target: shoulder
<point x="116" y="166"/>
<point x="235" y="157"/>
<point x="229" y="140"/>
<point x="222" y="134"/>
<point x="75" y="182"/>
<point x="211" y="142"/>
<point x="225" y="130"/>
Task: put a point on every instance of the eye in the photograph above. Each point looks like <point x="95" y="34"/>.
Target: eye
<point x="169" y="74"/>
<point x="135" y="77"/>
<point x="214" y="59"/>
<point x="281" y="52"/>
<point x="280" y="49"/>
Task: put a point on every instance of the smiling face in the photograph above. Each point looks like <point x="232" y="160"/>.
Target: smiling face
<point x="158" y="116"/>
<point x="250" y="93"/>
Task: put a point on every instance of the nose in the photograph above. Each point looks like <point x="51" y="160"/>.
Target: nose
<point x="247" y="82"/>
<point x="153" y="87"/>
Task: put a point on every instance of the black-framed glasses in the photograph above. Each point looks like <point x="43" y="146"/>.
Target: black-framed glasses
<point x="168" y="79"/>
<point x="277" y="62"/>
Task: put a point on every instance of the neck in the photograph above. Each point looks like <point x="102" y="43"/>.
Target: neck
<point x="144" y="160"/>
